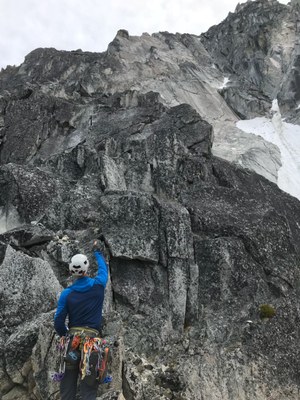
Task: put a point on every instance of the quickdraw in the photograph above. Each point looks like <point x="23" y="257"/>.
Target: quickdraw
<point x="62" y="347"/>
<point x="103" y="363"/>
<point x="76" y="341"/>
<point x="94" y="345"/>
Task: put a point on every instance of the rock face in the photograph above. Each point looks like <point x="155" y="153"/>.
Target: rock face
<point x="197" y="245"/>
<point x="183" y="69"/>
<point x="258" y="47"/>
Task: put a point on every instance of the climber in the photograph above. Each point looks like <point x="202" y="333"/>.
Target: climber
<point x="82" y="304"/>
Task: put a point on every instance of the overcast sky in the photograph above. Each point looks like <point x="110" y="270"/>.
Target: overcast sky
<point x="91" y="24"/>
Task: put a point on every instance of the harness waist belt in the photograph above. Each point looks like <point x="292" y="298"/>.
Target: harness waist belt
<point x="84" y="330"/>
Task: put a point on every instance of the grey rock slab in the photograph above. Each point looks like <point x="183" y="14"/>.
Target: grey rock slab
<point x="27" y="285"/>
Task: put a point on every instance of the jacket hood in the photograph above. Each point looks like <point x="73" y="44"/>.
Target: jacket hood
<point x="82" y="284"/>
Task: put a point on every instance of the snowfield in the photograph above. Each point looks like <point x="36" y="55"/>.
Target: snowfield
<point x="287" y="137"/>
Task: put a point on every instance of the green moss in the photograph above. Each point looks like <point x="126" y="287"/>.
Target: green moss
<point x="266" y="311"/>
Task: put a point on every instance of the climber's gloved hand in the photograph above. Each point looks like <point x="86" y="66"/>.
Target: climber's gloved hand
<point x="102" y="245"/>
<point x="98" y="246"/>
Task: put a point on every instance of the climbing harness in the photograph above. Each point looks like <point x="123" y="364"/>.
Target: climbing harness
<point x="91" y="354"/>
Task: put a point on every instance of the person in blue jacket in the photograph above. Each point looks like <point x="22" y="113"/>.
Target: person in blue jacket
<point x="81" y="304"/>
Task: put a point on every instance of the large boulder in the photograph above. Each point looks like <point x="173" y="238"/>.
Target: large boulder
<point x="28" y="290"/>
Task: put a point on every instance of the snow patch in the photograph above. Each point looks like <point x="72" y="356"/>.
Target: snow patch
<point x="287" y="138"/>
<point x="275" y="106"/>
<point x="226" y="80"/>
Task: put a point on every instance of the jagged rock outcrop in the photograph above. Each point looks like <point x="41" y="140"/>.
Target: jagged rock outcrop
<point x="196" y="243"/>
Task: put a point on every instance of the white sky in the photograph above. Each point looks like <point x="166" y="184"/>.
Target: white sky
<point x="91" y="24"/>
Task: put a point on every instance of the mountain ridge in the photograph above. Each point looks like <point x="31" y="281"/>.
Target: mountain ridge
<point x="179" y="68"/>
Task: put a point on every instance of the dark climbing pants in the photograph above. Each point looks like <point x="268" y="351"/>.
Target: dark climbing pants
<point x="68" y="386"/>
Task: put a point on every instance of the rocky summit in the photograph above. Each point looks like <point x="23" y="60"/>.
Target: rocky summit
<point x="136" y="144"/>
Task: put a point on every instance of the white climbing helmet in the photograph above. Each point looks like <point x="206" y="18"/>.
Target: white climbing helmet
<point x="79" y="265"/>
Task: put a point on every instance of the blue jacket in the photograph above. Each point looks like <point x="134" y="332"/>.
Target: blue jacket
<point x="82" y="301"/>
